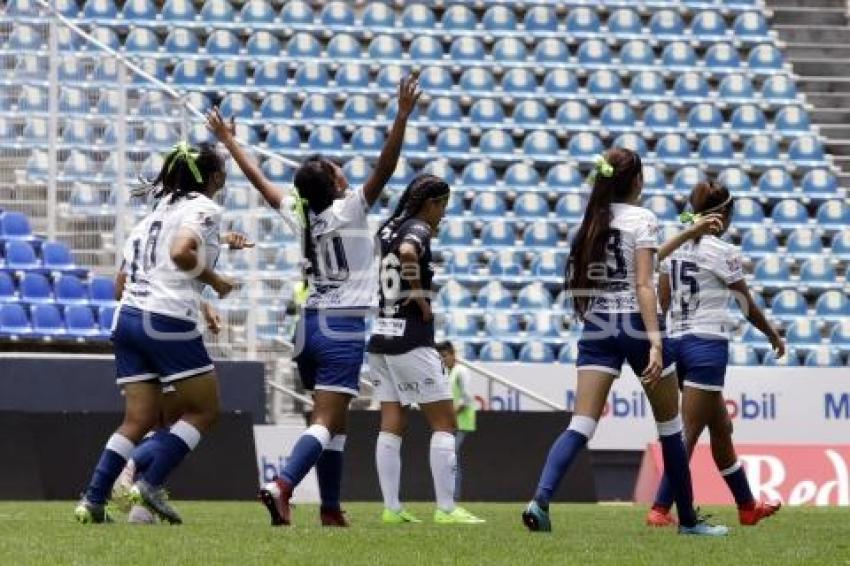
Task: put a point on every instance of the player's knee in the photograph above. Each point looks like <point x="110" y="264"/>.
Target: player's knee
<point x="721" y="428"/>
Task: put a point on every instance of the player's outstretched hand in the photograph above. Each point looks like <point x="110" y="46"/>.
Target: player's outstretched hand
<point x="652" y="373"/>
<point x="708" y="224"/>
<point x="222" y="128"/>
<point x="408" y="94"/>
<point x="223" y="286"/>
<point x="212" y="318"/>
<point x="237" y="241"/>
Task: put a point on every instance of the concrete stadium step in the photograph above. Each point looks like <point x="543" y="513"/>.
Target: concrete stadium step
<point x="821" y="67"/>
<point x="831" y="115"/>
<point x="835" y="4"/>
<point x="804" y="33"/>
<point x="823" y="85"/>
<point x="810" y="16"/>
<point x="817" y="50"/>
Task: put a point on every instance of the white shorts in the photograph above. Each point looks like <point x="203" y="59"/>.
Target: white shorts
<point x="415" y="377"/>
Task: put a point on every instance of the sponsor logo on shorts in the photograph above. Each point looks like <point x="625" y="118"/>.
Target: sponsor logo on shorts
<point x="408" y="387"/>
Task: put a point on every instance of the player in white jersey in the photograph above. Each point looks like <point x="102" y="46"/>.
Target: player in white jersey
<point x="340" y="271"/>
<point x="168" y="258"/>
<point x="610" y="277"/>
<point x="698" y="280"/>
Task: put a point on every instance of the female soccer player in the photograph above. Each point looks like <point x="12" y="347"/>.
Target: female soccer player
<point x="331" y="336"/>
<point x="610" y="276"/>
<point x="402" y="353"/>
<point x="696" y="283"/>
<point x="168" y="259"/>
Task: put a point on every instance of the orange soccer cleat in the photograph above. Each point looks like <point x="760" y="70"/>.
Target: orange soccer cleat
<point x="660" y="517"/>
<point x="751" y="515"/>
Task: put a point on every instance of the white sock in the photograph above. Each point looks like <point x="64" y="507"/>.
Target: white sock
<point x="443" y="469"/>
<point x="388" y="462"/>
<point x="187" y="433"/>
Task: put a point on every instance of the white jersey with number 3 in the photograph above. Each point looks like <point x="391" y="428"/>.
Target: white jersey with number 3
<point x="154" y="282"/>
<point x="700" y="274"/>
<point x="632" y="228"/>
<point x="344" y="273"/>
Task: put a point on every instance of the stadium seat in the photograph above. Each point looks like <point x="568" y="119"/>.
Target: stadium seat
<point x="806" y="151"/>
<point x="832" y="305"/>
<point x="444" y="112"/>
<point x="303" y="45"/>
<point x="263" y="44"/>
<point x="378" y="15"/>
<point x="624" y="22"/>
<point x="277" y="107"/>
<point x="57" y="257"/>
<point x="823" y="356"/>
<point x="478" y="174"/>
<point x="660" y="117"/>
<point x="47" y="321"/>
<point x="762" y="151"/>
<point x="141" y="40"/>
<point x="453" y="142"/>
<point x="637" y="53"/>
<point x="282" y="137"/>
<point x="632" y="141"/>
<point x="530" y="114"/>
<point x="309" y="75"/>
<point x="80" y="322"/>
<point x="505" y="263"/>
<point x="653" y="179"/>
<point x="14" y="321"/>
<point x="544" y="325"/>
<point x="673" y="149"/>
<point x="747" y="212"/>
<point x="101" y="291"/>
<point x="35" y="288"/>
<point x="353" y="76"/>
<point x="20" y="256"/>
<point x="509" y="50"/>
<point x="840" y="244"/>
<point x="415" y="141"/>
<point x="594" y="52"/>
<point x="343" y="46"/>
<point x="230" y="73"/>
<point x="477" y="79"/>
<point x="789" y="213"/>
<point x="257" y="12"/>
<point x="779" y="89"/>
<point x="139" y="11"/>
<point x="325" y="139"/>
<point x="459" y="263"/>
<point x="501" y="325"/>
<point x="488" y="205"/>
<point x="791" y="359"/>
<point x="817" y="272"/>
<point x="534" y="296"/>
<point x="456" y="233"/>
<point x="296" y="13"/>
<point x="678" y="56"/>
<point x="788" y="304"/>
<point x="217" y="11"/>
<point x="552" y="51"/>
<point x="691" y="87"/>
<point x="736" y="87"/>
<point x="73" y="101"/>
<point x="736" y="180"/>
<point x="359" y="108"/>
<point x="181" y="40"/>
<point x="666" y="24"/>
<point x="584" y="146"/>
<point x="15" y="226"/>
<point x="748" y="119"/>
<point x="742" y="355"/>
<point x="496" y="144"/>
<point x="540" y="234"/>
<point x="568" y="353"/>
<point x="462" y="324"/>
<point x="765" y="58"/>
<point x="819" y="182"/>
<point x="70" y="291"/>
<point x="521" y="177"/>
<point x="772" y="271"/>
<point x="453" y="295"/>
<point x="617" y="116"/>
<point x="337" y="15"/>
<point x="560" y="83"/>
<point x="716" y="150"/>
<point x="540" y="145"/>
<point x="722" y="58"/>
<point x="105" y="319"/>
<point x="458" y="18"/>
<point x="840" y="335"/>
<point x="431" y="78"/>
<point x="564" y="177"/>
<point x="498" y="233"/>
<point x="662" y="207"/>
<point x="427" y="49"/>
<point x="775" y="181"/>
<point x="536" y="352"/>
<point x="494" y="296"/>
<point x="190" y="72"/>
<point x="496" y="352"/>
<point x="802" y="333"/>
<point x="833" y="215"/>
<point x="754" y="339"/>
<point x="7" y="288"/>
<point x="708" y="25"/>
<point x="571" y="207"/>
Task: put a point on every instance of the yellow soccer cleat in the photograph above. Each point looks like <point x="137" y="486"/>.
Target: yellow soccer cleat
<point x="459" y="516"/>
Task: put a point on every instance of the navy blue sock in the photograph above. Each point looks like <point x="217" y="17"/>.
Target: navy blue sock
<point x="169" y="449"/>
<point x="144" y="452"/>
<point x="736" y="479"/>
<point x="109" y="466"/>
<point x="329" y="473"/>
<point x="665" y="496"/>
<point x="306" y="452"/>
<point x="677" y="471"/>
<point x="561" y="455"/>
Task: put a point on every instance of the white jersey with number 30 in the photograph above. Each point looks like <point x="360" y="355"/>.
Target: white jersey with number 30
<point x="632" y="228"/>
<point x="154" y="282"/>
<point x="700" y="275"/>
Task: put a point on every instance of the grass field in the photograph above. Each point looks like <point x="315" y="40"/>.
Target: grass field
<point x="238" y="533"/>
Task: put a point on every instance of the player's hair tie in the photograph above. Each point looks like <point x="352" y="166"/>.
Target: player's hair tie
<point x="299" y="204"/>
<point x="184" y="152"/>
<point x="602" y="167"/>
<point x="692" y="217"/>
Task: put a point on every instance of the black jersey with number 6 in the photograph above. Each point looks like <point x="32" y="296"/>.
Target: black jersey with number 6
<point x="399" y="326"/>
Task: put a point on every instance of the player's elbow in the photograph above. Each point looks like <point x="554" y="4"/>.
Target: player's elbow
<point x="183" y="258"/>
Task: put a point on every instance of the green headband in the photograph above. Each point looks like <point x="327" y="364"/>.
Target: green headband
<point x="601" y="167"/>
<point x="182" y="151"/>
<point x="692" y="217"/>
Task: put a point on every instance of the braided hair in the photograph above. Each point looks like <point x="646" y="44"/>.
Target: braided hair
<point x="316" y="186"/>
<point x="421" y="189"/>
<point x="185" y="170"/>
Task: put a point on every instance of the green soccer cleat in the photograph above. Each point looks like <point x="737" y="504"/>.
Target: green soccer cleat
<point x="459" y="516"/>
<point x="536" y="518"/>
<point x="88" y="513"/>
<point x="390" y="517"/>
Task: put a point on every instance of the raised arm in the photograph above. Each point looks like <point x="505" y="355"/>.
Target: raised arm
<point x="708" y="224"/>
<point x="408" y="94"/>
<point x="223" y="130"/>
<point x="755" y="316"/>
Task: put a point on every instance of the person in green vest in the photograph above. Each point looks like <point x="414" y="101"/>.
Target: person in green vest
<point x="463" y="400"/>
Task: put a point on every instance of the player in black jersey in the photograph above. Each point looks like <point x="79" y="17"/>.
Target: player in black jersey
<point x="403" y="359"/>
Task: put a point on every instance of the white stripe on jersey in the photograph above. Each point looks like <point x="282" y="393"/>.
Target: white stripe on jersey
<point x="700" y="275"/>
<point x="632" y="228"/>
<point x="154" y="282"/>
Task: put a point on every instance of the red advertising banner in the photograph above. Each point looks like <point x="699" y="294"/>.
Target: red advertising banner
<point x="795" y="475"/>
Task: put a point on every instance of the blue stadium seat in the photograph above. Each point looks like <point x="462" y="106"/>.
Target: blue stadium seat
<point x="819" y="182"/>
<point x="534" y="296"/>
<point x="494" y="295"/>
<point x="772" y="272"/>
<point x="594" y="52"/>
<point x="71" y="69"/>
<point x="678" y="55"/>
<point x="747" y="212"/>
<point x="108" y="37"/>
<point x="496" y="143"/>
<point x="662" y="207"/>
<point x="415" y="141"/>
<point x="736" y="87"/>
<point x="78" y="132"/>
<point x="823" y="356"/>
<point x="32" y="99"/>
<point x="281" y="173"/>
<point x="190" y="72"/>
<point x="840" y="335"/>
<point x="509" y="50"/>
<point x="303" y="45"/>
<point x="444" y="111"/>
<point x="318" y="107"/>
<point x="648" y="85"/>
<point x="792" y="120"/>
<point x="297" y="13"/>
<point x="460" y="263"/>
<point x="7" y="288"/>
<point x="217" y="11"/>
<point x="325" y="139"/>
<point x="521" y="177"/>
<point x="47" y="321"/>
<point x="673" y="149"/>
<point x="571" y="207"/>
<point x="20" y="256"/>
<point x="182" y="40"/>
<point x="666" y="23"/>
<point x="456" y="232"/>
<point x="754" y="339"/>
<point x="803" y="333"/>
<point x="549" y="263"/>
<point x="70" y="291"/>
<point x="765" y="58"/>
<point x="453" y="142"/>
<point x="748" y="119"/>
<point x="584" y="146"/>
<point x="276" y="107"/>
<point x="804" y="242"/>
<point x="751" y="26"/>
<point x="25" y="38"/>
<point x="833" y="215"/>
<point x="454" y="295"/>
<point x="540" y="144"/>
<point x="498" y="233"/>
<point x="573" y="115"/>
<point x="762" y="151"/>
<point x="705" y="118"/>
<point x="230" y="73"/>
<point x="634" y="142"/>
<point x="57" y="257"/>
<point x="759" y="241"/>
<point x="161" y="135"/>
<point x="551" y="50"/>
<point x="564" y="177"/>
<point x="560" y="83"/>
<point x="498" y="19"/>
<point x="310" y="75"/>
<point x="141" y="40"/>
<point x="458" y="18"/>
<point x="343" y="46"/>
<point x="14" y="321"/>
<point x="540" y="19"/>
<point x="73" y="101"/>
<point x="691" y="87"/>
<point x="531" y="205"/>
<point x="418" y="16"/>
<point x="223" y="43"/>
<point x="257" y="12"/>
<point x="722" y="57"/>
<point x="742" y="355"/>
<point x="496" y="352"/>
<point x="536" y="352"/>
<point x="788" y="304"/>
<point x="352" y="76"/>
<point x="402" y="175"/>
<point x="378" y="15"/>
<point x="544" y="325"/>
<point x="486" y="112"/>
<point x="426" y="49"/>
<point x="637" y="53"/>
<point x="776" y="181"/>
<point x="139" y="11"/>
<point x="263" y="44"/>
<point x="488" y="205"/>
<point x="817" y="272"/>
<point x="106" y="318"/>
<point x="789" y="213"/>
<point x="736" y="180"/>
<point x="35" y="288"/>
<point x="337" y="15"/>
<point x="582" y="21"/>
<point x="282" y="137"/>
<point x="832" y="305"/>
<point x="501" y="325"/>
<point x="840" y="245"/>
<point x="617" y="116"/>
<point x="660" y="117"/>
<point x="80" y="322"/>
<point x="779" y="88"/>
<point x="15" y="226"/>
<point x="540" y="234"/>
<point x="716" y="150"/>
<point x="530" y="113"/>
<point x="478" y="174"/>
<point x="709" y="26"/>
<point x="359" y="108"/>
<point x="624" y="22"/>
